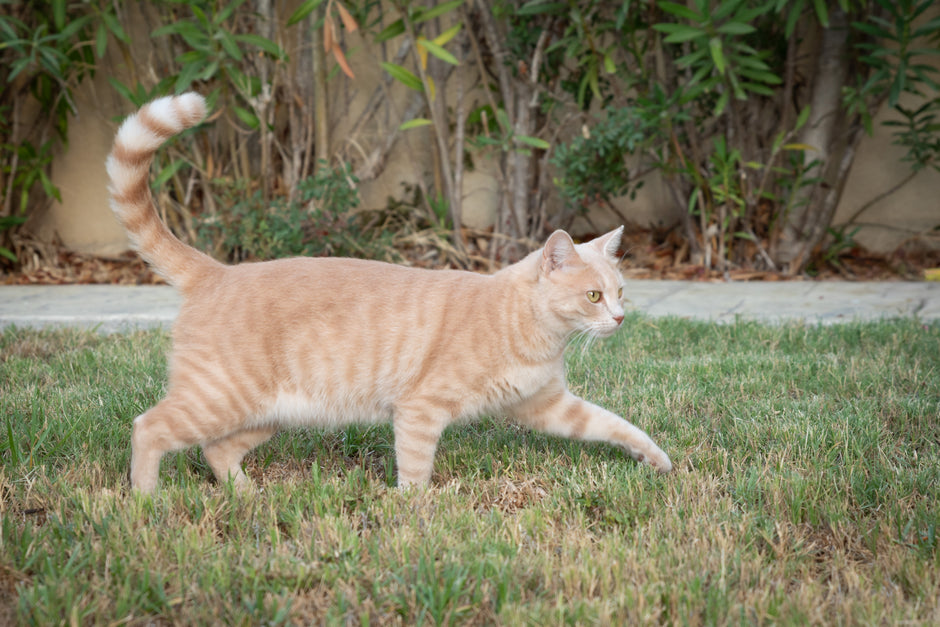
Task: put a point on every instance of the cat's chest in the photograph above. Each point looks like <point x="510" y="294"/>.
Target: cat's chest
<point x="508" y="386"/>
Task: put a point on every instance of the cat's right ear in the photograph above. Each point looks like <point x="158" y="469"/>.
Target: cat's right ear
<point x="558" y="252"/>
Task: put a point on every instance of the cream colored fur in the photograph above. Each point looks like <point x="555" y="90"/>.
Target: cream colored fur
<point x="325" y="342"/>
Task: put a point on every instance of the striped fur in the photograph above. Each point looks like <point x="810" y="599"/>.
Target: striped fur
<point x="326" y="342"/>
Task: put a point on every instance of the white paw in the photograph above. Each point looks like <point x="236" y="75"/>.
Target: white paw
<point x="655" y="457"/>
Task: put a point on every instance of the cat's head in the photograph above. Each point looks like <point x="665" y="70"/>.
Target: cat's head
<point x="581" y="284"/>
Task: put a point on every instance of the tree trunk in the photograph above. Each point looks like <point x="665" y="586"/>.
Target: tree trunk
<point x="814" y="205"/>
<point x="321" y="114"/>
<point x="521" y="163"/>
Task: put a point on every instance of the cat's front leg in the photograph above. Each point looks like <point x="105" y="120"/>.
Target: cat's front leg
<point x="559" y="412"/>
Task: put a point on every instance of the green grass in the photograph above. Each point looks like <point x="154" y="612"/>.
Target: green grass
<point x="807" y="468"/>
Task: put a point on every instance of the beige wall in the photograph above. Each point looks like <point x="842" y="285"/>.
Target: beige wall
<point x="83" y="220"/>
<point x="915" y="207"/>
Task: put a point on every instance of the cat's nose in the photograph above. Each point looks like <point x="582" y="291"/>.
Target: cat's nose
<point x="619" y="319"/>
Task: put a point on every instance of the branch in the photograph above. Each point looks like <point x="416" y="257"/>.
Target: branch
<point x="874" y="201"/>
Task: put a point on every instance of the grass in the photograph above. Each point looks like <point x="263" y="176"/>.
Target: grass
<point x="805" y="492"/>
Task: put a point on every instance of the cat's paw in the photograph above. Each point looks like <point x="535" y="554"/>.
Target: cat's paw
<point x="655" y="457"/>
<point x="660" y="462"/>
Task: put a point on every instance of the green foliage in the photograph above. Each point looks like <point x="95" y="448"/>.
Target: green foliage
<point x="841" y="241"/>
<point x="215" y="53"/>
<point x="919" y="132"/>
<point x="584" y="36"/>
<point x="895" y="48"/>
<point x="502" y="135"/>
<point x="594" y="167"/>
<point x="321" y="221"/>
<point x="707" y="76"/>
<point x="413" y="15"/>
<point x="721" y="60"/>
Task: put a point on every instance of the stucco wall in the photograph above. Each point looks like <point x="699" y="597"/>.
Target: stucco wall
<point x="913" y="208"/>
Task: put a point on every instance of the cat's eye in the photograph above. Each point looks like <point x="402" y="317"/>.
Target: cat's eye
<point x="620" y="293"/>
<point x="593" y="296"/>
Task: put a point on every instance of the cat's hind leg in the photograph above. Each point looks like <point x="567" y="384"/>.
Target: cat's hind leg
<point x="560" y="412"/>
<point x="225" y="455"/>
<point x="177" y="422"/>
<point x="418" y="427"/>
<point x="167" y="426"/>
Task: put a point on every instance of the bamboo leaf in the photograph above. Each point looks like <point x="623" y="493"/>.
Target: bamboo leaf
<point x="439" y="52"/>
<point x="678" y="33"/>
<point x="535" y="142"/>
<point x="263" y="43"/>
<point x="248" y="118"/>
<point x="721" y="104"/>
<point x="101" y="41"/>
<point x="437" y="11"/>
<point x="822" y="13"/>
<point x="404" y="76"/>
<point x="792" y="17"/>
<point x="538" y="7"/>
<point x="230" y="45"/>
<point x="714" y="46"/>
<point x="114" y="26"/>
<point x="503" y="118"/>
<point x="329" y="35"/>
<point x="415" y="123"/>
<point x="341" y="60"/>
<point x="680" y="10"/>
<point x="802" y="118"/>
<point x="305" y="9"/>
<point x="735" y="28"/>
<point x="167" y="173"/>
<point x="609" y="66"/>
<point x="422" y="52"/>
<point x="58" y="14"/>
<point x="391" y="31"/>
<point x="348" y="22"/>
<point x="447" y="35"/>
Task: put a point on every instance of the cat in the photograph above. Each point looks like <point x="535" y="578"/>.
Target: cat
<point x="330" y="341"/>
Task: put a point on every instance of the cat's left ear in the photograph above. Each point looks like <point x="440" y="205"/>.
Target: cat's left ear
<point x="558" y="252"/>
<point x="609" y="243"/>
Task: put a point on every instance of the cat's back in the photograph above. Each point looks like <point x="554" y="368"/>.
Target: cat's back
<point x="353" y="304"/>
<point x="352" y="335"/>
<point x="323" y="284"/>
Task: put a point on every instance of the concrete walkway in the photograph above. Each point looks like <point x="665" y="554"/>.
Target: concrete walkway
<point x="111" y="308"/>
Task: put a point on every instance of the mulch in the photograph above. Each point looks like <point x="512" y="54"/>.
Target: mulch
<point x="647" y="255"/>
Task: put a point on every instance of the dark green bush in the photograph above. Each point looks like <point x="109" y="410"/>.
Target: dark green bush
<point x="320" y="221"/>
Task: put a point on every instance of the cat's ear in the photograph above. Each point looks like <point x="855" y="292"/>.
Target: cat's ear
<point x="558" y="252"/>
<point x="609" y="243"/>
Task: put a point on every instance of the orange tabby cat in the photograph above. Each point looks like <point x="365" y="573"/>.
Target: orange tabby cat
<point x="325" y="342"/>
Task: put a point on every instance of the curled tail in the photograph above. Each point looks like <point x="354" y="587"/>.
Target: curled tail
<point x="128" y="167"/>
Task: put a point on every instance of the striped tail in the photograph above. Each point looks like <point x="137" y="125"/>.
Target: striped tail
<point x="128" y="168"/>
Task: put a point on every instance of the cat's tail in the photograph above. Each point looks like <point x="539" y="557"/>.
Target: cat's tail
<point x="128" y="167"/>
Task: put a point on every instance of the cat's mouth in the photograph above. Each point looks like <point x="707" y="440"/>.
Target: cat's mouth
<point x="603" y="330"/>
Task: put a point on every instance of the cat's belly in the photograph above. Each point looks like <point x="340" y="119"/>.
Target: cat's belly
<point x="295" y="409"/>
<point x="335" y="407"/>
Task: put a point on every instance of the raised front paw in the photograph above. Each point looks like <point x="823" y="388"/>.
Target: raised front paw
<point x="655" y="457"/>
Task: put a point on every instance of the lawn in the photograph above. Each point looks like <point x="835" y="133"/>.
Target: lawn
<point x="807" y="466"/>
